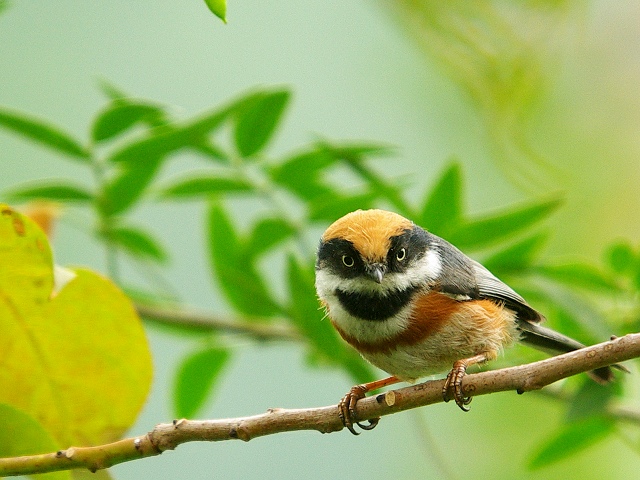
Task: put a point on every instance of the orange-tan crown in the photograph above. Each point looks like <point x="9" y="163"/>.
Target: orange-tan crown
<point x="370" y="231"/>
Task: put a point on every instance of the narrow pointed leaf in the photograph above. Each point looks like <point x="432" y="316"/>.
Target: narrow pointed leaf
<point x="218" y="8"/>
<point x="257" y="119"/>
<point x="571" y="439"/>
<point x="517" y="257"/>
<point x="442" y="209"/>
<point x="166" y="140"/>
<point x="196" y="380"/>
<point x="138" y="243"/>
<point x="44" y="133"/>
<point x="493" y="229"/>
<point x="120" y="116"/>
<point x="204" y="185"/>
<point x="234" y="270"/>
<point x="300" y="174"/>
<point x="269" y="233"/>
<point x="126" y="188"/>
<point x="62" y="191"/>
<point x="329" y="208"/>
<point x="579" y="275"/>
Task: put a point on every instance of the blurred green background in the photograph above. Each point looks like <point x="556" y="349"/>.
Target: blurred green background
<point x="533" y="99"/>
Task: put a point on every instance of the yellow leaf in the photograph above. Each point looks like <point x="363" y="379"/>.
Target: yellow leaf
<point x="79" y="362"/>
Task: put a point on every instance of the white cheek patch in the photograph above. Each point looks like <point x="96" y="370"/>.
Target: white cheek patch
<point x="422" y="273"/>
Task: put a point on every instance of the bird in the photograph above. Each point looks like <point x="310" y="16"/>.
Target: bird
<point x="413" y="305"/>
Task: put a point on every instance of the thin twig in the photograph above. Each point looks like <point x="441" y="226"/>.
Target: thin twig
<point x="168" y="436"/>
<point x="273" y="329"/>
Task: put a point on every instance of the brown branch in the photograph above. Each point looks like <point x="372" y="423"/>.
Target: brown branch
<point x="163" y="437"/>
<point x="257" y="328"/>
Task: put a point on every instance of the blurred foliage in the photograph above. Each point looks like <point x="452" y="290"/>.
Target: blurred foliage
<point x="502" y="55"/>
<point x="301" y="192"/>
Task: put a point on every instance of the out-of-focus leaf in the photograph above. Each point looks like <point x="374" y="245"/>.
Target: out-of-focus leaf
<point x="335" y="206"/>
<point x="496" y="228"/>
<point x="442" y="209"/>
<point x="306" y="314"/>
<point x="268" y="233"/>
<point x="138" y="243"/>
<point x="299" y="174"/>
<point x="257" y="118"/>
<point x="204" y="185"/>
<point x="235" y="273"/>
<point x="165" y="140"/>
<point x="591" y="399"/>
<point x="21" y="435"/>
<point x="197" y="376"/>
<point x="43" y="132"/>
<point x="62" y="191"/>
<point x="517" y="257"/>
<point x="126" y="188"/>
<point x="621" y="257"/>
<point x="579" y="275"/>
<point x="120" y="115"/>
<point x="110" y="90"/>
<point x="218" y="8"/>
<point x="355" y="152"/>
<point x="570" y="439"/>
<point x="90" y="324"/>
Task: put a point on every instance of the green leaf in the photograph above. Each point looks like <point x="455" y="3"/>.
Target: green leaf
<point x="299" y="174"/>
<point x="197" y="376"/>
<point x="305" y="313"/>
<point x="234" y="270"/>
<point x="43" y="132"/>
<point x="499" y="227"/>
<point x="218" y="8"/>
<point x="137" y="242"/>
<point x="21" y="434"/>
<point x="591" y="399"/>
<point x="621" y="257"/>
<point x="579" y="275"/>
<point x="442" y="210"/>
<point x="61" y="190"/>
<point x="570" y="439"/>
<point x="110" y="90"/>
<point x="332" y="207"/>
<point x="162" y="141"/>
<point x="257" y="118"/>
<point x="384" y="188"/>
<point x="517" y="257"/>
<point x="268" y="233"/>
<point x="127" y="187"/>
<point x="204" y="185"/>
<point x="355" y="152"/>
<point x="121" y="115"/>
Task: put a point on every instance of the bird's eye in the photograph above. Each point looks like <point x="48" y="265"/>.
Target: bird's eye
<point x="401" y="255"/>
<point x="348" y="261"/>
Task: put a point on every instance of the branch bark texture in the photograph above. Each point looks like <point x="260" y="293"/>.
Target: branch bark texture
<point x="168" y="436"/>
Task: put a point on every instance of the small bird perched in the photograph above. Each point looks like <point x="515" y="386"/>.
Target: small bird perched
<point x="414" y="305"/>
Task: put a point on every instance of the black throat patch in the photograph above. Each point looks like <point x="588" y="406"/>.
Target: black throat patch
<point x="375" y="307"/>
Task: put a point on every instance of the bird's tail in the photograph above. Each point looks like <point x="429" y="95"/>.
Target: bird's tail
<point x="550" y="341"/>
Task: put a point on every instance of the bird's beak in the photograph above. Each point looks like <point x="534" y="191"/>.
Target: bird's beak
<point x="376" y="271"/>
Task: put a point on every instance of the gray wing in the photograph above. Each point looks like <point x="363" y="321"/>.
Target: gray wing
<point x="462" y="277"/>
<point x="490" y="286"/>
